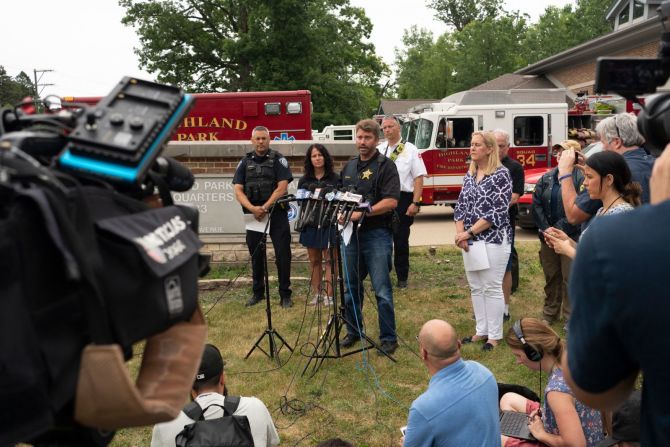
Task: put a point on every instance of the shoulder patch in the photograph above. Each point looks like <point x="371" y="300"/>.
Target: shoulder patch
<point x="283" y="161"/>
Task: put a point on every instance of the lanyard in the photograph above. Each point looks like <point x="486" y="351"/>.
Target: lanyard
<point x="396" y="152"/>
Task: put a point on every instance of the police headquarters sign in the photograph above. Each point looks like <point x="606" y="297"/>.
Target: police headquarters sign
<point x="214" y="197"/>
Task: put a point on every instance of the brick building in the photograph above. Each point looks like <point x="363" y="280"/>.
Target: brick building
<point x="637" y="31"/>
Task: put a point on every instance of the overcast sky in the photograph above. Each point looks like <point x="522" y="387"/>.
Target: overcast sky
<point x="88" y="49"/>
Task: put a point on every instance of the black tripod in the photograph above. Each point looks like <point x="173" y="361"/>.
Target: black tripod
<point x="274" y="347"/>
<point x="330" y="339"/>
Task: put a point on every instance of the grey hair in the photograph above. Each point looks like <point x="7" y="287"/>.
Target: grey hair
<point x="623" y="126"/>
<point x="260" y="129"/>
<point x="504" y="133"/>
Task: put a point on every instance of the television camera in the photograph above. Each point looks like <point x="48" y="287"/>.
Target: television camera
<point x="631" y="77"/>
<point x="93" y="263"/>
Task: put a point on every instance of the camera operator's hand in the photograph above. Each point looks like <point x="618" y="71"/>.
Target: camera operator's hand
<point x="659" y="184"/>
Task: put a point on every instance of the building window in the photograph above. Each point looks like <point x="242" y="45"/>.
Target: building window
<point x="624" y="15"/>
<point x="528" y="131"/>
<point x="638" y="9"/>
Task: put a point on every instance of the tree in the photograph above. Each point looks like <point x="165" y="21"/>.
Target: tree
<point x="559" y="29"/>
<point x="251" y="45"/>
<point x="424" y="67"/>
<point x="13" y="90"/>
<point x="487" y="49"/>
<point x="459" y="13"/>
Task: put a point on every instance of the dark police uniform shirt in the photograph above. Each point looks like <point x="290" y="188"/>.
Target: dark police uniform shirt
<point x="281" y="170"/>
<point x="382" y="181"/>
<point x="518" y="178"/>
<point x="332" y="180"/>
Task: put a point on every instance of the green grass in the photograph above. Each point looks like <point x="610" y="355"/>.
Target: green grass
<point x="363" y="398"/>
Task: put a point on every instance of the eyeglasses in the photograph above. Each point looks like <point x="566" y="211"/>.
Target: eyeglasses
<point x="616" y="126"/>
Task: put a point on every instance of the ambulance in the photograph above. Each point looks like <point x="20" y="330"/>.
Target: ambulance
<point x="534" y="118"/>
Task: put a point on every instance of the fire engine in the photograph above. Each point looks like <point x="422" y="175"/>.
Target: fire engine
<point x="534" y="119"/>
<point x="233" y="115"/>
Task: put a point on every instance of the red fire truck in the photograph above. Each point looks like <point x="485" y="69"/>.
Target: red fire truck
<point x="233" y="115"/>
<point x="534" y="119"/>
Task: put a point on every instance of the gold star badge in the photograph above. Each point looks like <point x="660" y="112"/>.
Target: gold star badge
<point x="366" y="174"/>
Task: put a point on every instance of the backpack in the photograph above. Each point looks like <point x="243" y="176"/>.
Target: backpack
<point x="226" y="431"/>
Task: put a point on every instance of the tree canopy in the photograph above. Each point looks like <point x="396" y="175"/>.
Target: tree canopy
<point x="252" y="45"/>
<point x="487" y="41"/>
<point x="14" y="89"/>
<point x="460" y="13"/>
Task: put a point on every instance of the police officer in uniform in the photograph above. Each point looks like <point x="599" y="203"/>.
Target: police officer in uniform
<point x="261" y="178"/>
<point x="411" y="171"/>
<point x="370" y="249"/>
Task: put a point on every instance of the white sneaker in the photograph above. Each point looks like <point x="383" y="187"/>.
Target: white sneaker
<point x="328" y="301"/>
<point x="315" y="300"/>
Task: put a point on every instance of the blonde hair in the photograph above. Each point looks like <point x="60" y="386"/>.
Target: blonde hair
<point x="538" y="335"/>
<point x="494" y="157"/>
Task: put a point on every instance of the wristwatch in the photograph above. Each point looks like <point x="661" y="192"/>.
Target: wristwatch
<point x="470" y="232"/>
<point x="417" y="204"/>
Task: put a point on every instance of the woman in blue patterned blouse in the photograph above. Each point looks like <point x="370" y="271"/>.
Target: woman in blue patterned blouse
<point x="482" y="217"/>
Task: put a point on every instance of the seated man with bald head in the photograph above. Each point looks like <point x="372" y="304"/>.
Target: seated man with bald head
<point x="460" y="406"/>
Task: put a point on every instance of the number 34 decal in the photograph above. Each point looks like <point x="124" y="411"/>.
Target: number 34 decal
<point x="526" y="159"/>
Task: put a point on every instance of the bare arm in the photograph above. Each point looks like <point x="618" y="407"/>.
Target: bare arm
<point x="412" y="209"/>
<point x="659" y="183"/>
<point x="280" y="190"/>
<point x="571" y="433"/>
<point x="241" y="197"/>
<point x="566" y="165"/>
<point x="607" y="400"/>
<point x="515" y="199"/>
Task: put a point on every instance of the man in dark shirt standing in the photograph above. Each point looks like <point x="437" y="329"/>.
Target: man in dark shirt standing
<point x="617" y="133"/>
<point x="620" y="301"/>
<point x="516" y="172"/>
<point x="261" y="178"/>
<point x="371" y="246"/>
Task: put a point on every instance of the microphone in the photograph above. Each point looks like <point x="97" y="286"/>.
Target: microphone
<point x="328" y="195"/>
<point x="355" y="200"/>
<point x="178" y="177"/>
<point x="316" y="199"/>
<point x="307" y="206"/>
<point x="285" y="198"/>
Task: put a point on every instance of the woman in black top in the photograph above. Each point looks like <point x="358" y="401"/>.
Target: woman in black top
<point x="318" y="172"/>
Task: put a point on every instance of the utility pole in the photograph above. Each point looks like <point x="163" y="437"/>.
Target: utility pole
<point x="38" y="90"/>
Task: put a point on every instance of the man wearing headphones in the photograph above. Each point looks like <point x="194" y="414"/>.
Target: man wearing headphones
<point x="460" y="406"/>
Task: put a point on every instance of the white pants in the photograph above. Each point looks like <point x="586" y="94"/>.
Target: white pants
<point x="488" y="300"/>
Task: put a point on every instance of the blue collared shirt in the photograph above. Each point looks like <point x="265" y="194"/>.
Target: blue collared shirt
<point x="460" y="407"/>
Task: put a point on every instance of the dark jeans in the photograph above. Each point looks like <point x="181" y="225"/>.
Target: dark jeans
<point x="401" y="238"/>
<point x="280" y="233"/>
<point x="369" y="253"/>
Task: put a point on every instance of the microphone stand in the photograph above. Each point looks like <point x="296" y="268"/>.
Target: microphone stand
<point x="269" y="332"/>
<point x="330" y="339"/>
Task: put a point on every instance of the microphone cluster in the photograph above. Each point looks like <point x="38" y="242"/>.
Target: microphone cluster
<point x="321" y="206"/>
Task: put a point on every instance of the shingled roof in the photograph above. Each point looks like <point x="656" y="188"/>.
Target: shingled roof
<point x="511" y="81"/>
<point x="400" y="106"/>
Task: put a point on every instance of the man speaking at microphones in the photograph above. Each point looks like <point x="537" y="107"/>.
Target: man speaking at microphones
<point x="371" y="246"/>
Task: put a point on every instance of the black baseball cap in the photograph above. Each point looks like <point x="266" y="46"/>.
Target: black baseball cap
<point x="625" y="422"/>
<point x="211" y="364"/>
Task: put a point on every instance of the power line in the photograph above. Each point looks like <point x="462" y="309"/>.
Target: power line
<point x="37" y="85"/>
